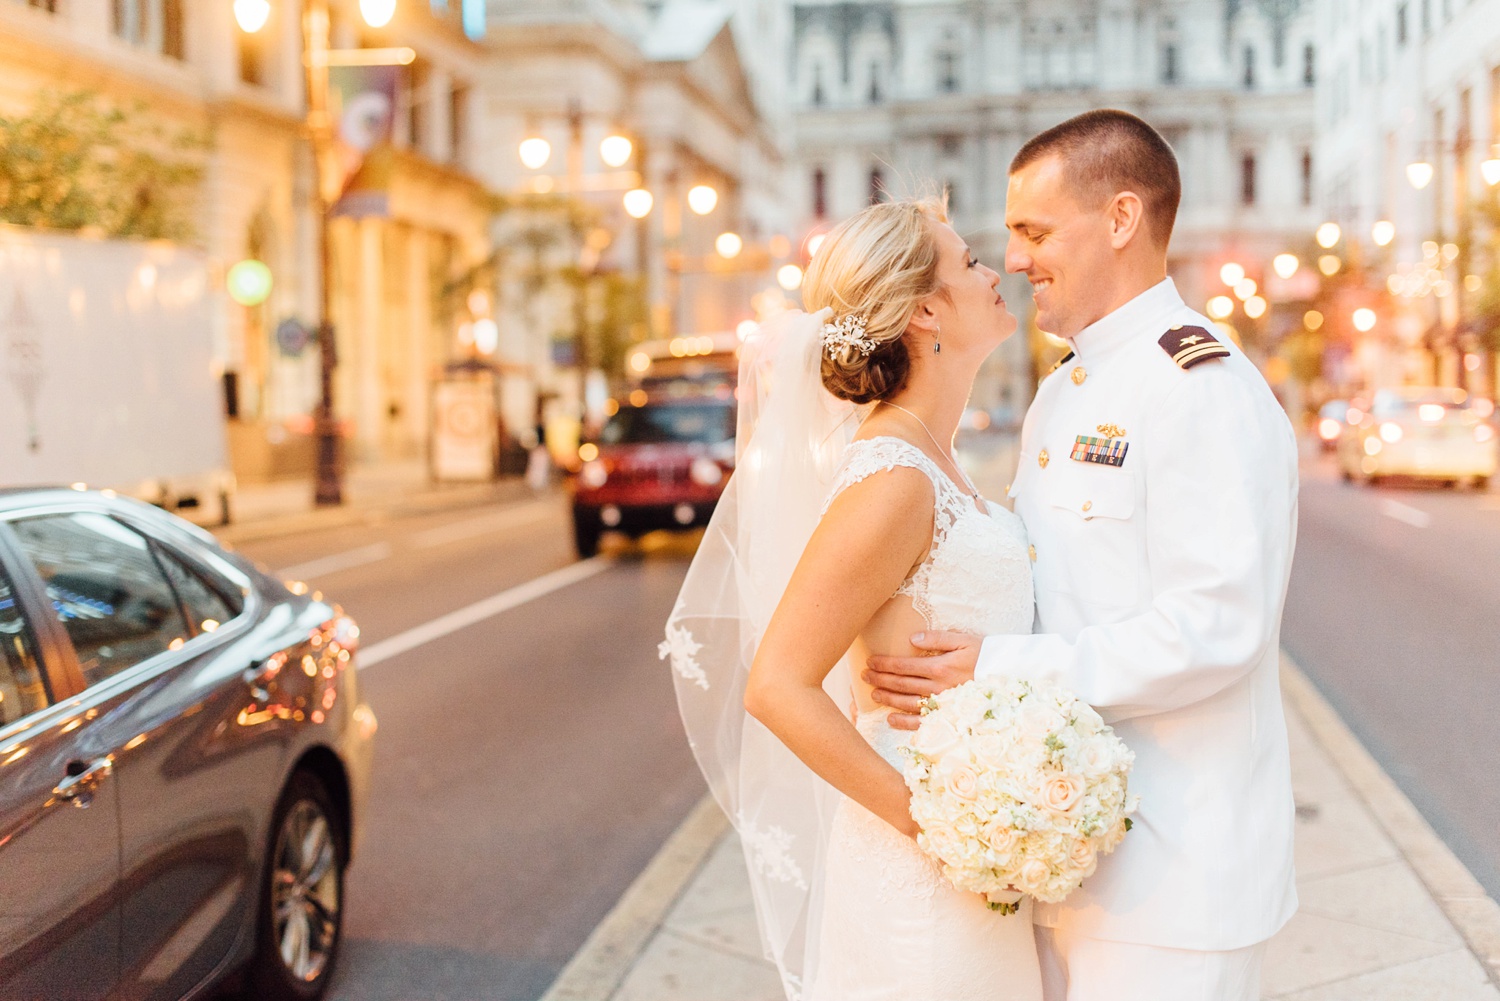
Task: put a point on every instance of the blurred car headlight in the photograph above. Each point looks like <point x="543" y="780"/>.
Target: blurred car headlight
<point x="593" y="475"/>
<point x="706" y="472"/>
<point x="1328" y="429"/>
<point x="1483" y="433"/>
<point x="1391" y="431"/>
<point x="1372" y="445"/>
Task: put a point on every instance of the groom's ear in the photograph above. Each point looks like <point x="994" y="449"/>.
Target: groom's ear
<point x="1127" y="219"/>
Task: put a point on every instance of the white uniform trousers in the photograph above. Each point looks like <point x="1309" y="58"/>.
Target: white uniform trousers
<point x="1090" y="969"/>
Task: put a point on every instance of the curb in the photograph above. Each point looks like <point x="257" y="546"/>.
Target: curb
<point x="424" y="502"/>
<point x="1473" y="914"/>
<point x="612" y="948"/>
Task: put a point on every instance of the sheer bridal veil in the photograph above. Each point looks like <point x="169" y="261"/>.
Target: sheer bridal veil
<point x="792" y="434"/>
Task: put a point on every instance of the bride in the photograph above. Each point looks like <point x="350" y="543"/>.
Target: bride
<point x="847" y="527"/>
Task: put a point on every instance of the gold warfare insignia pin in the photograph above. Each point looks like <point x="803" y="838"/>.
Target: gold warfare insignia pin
<point x="1111" y="430"/>
<point x="1104" y="451"/>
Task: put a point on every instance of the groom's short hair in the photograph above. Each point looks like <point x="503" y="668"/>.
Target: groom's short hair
<point x="1105" y="152"/>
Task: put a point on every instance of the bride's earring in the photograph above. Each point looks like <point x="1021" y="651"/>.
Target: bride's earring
<point x="937" y="343"/>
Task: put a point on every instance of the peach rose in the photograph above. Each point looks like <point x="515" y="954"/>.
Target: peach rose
<point x="1033" y="876"/>
<point x="963" y="783"/>
<point x="1061" y="793"/>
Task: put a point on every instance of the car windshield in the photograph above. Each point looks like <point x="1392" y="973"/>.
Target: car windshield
<point x="1429" y="404"/>
<point x="705" y="423"/>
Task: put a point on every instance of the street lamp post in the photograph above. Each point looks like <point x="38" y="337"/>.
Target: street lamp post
<point x="317" y="56"/>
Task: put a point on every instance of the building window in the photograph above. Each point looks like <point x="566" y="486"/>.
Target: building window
<point x="458" y="122"/>
<point x="1249" y="67"/>
<point x="820" y="193"/>
<point x="947" y="72"/>
<point x="949" y="144"/>
<point x="1169" y="64"/>
<point x="1402" y="31"/>
<point x="172" y="45"/>
<point x="1247" y="179"/>
<point x="127" y="19"/>
<point x="874" y="83"/>
<point x="417" y="124"/>
<point x="1309" y="65"/>
<point x="877" y="186"/>
<point x="252" y="56"/>
<point x="950" y="192"/>
<point x="1307" y="177"/>
<point x="818" y="97"/>
<point x="50" y="6"/>
<point x="473" y="15"/>
<point x="1426" y="18"/>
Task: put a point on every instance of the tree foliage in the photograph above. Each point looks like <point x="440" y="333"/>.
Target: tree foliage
<point x="76" y="162"/>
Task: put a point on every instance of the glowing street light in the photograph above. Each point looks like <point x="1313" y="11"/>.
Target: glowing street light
<point x="1255" y="307"/>
<point x="1285" y="265"/>
<point x="615" y="150"/>
<point x="638" y="202"/>
<point x="789" y="277"/>
<point x="1329" y="234"/>
<point x="1245" y="288"/>
<point x="377" y="13"/>
<point x="1490" y="171"/>
<point x="729" y="245"/>
<point x="251" y="15"/>
<point x="1383" y="232"/>
<point x="1220" y="307"/>
<point x="702" y="198"/>
<point x="535" y="152"/>
<point x="1419" y="174"/>
<point x="1364" y="320"/>
<point x="1312" y="319"/>
<point x="1329" y="264"/>
<point x="815" y="244"/>
<point x="1232" y="274"/>
<point x="248" y="282"/>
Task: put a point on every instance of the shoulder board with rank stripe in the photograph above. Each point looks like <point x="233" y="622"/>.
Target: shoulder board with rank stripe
<point x="1060" y="362"/>
<point x="1189" y="346"/>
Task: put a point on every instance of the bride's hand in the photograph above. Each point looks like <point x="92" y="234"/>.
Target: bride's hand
<point x="903" y="682"/>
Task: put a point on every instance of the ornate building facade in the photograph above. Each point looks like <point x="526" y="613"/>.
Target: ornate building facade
<point x="894" y="95"/>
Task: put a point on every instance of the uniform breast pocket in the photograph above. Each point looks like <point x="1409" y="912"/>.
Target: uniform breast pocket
<point x="1093" y="509"/>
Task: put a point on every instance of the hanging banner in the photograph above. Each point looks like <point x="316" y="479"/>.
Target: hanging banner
<point x="362" y="105"/>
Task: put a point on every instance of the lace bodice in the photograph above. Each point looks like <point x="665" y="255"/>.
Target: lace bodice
<point x="976" y="577"/>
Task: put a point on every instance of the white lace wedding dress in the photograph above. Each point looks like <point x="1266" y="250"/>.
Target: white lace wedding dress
<point x="892" y="928"/>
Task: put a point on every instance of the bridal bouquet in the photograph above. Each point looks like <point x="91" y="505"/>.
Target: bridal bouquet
<point x="1017" y="786"/>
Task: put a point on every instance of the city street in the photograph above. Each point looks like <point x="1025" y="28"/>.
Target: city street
<point x="527" y="766"/>
<point x="1393" y="614"/>
<point x="529" y="761"/>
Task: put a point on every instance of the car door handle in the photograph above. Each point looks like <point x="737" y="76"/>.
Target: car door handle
<point x="83" y="781"/>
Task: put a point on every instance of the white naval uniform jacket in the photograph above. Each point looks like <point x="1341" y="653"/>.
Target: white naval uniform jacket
<point x="1159" y="591"/>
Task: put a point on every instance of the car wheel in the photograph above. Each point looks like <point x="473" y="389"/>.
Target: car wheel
<point x="586" y="534"/>
<point x="1481" y="483"/>
<point x="302" y="895"/>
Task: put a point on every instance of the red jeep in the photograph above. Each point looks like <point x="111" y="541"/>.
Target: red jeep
<point x="659" y="465"/>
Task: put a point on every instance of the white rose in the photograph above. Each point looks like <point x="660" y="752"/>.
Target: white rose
<point x="1083" y="857"/>
<point x="1033" y="876"/>
<point x="1037" y="720"/>
<point x="963" y="783"/>
<point x="935" y="737"/>
<point x="1096" y="758"/>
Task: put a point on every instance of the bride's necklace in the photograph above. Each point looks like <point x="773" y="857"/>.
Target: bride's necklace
<point x="946" y="453"/>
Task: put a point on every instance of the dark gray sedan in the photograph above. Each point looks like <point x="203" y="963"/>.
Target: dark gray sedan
<point x="183" y="760"/>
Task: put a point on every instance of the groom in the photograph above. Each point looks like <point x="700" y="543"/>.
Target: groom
<point x="1158" y="483"/>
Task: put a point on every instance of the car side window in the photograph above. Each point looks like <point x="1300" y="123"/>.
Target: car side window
<point x="23" y="689"/>
<point x="107" y="589"/>
<point x="206" y="608"/>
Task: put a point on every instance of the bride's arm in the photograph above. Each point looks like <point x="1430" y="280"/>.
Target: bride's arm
<point x="872" y="535"/>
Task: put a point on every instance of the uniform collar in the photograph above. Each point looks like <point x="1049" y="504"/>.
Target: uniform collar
<point x="1152" y="309"/>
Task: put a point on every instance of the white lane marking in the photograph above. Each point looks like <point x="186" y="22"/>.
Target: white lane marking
<point x="483" y="609"/>
<point x="513" y="517"/>
<point x="346" y="560"/>
<point x="1412" y="516"/>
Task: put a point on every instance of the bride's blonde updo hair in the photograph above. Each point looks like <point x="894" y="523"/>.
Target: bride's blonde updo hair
<point x="879" y="265"/>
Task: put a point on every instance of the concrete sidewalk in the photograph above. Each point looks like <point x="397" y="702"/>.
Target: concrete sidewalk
<point x="1388" y="914"/>
<point x="371" y="491"/>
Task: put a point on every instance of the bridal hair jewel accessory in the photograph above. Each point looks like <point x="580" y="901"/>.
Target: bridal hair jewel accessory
<point x="847" y="331"/>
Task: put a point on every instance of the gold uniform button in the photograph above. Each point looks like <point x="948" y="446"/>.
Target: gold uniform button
<point x="1032" y="551"/>
<point x="1042" y="458"/>
<point x="1088" y="505"/>
<point x="1079" y="375"/>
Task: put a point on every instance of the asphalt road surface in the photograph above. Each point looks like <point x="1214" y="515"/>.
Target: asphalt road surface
<point x="1394" y="612"/>
<point x="528" y="764"/>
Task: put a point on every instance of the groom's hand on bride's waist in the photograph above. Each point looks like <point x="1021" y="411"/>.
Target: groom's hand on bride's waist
<point x="903" y="682"/>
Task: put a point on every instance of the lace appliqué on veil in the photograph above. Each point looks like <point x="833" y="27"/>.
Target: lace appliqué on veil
<point x="682" y="651"/>
<point x="770" y="853"/>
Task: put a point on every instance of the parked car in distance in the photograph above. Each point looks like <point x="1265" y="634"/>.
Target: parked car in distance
<point x="1428" y="432"/>
<point x="1333" y="417"/>
<point x="184" y="757"/>
<point x="658" y="465"/>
